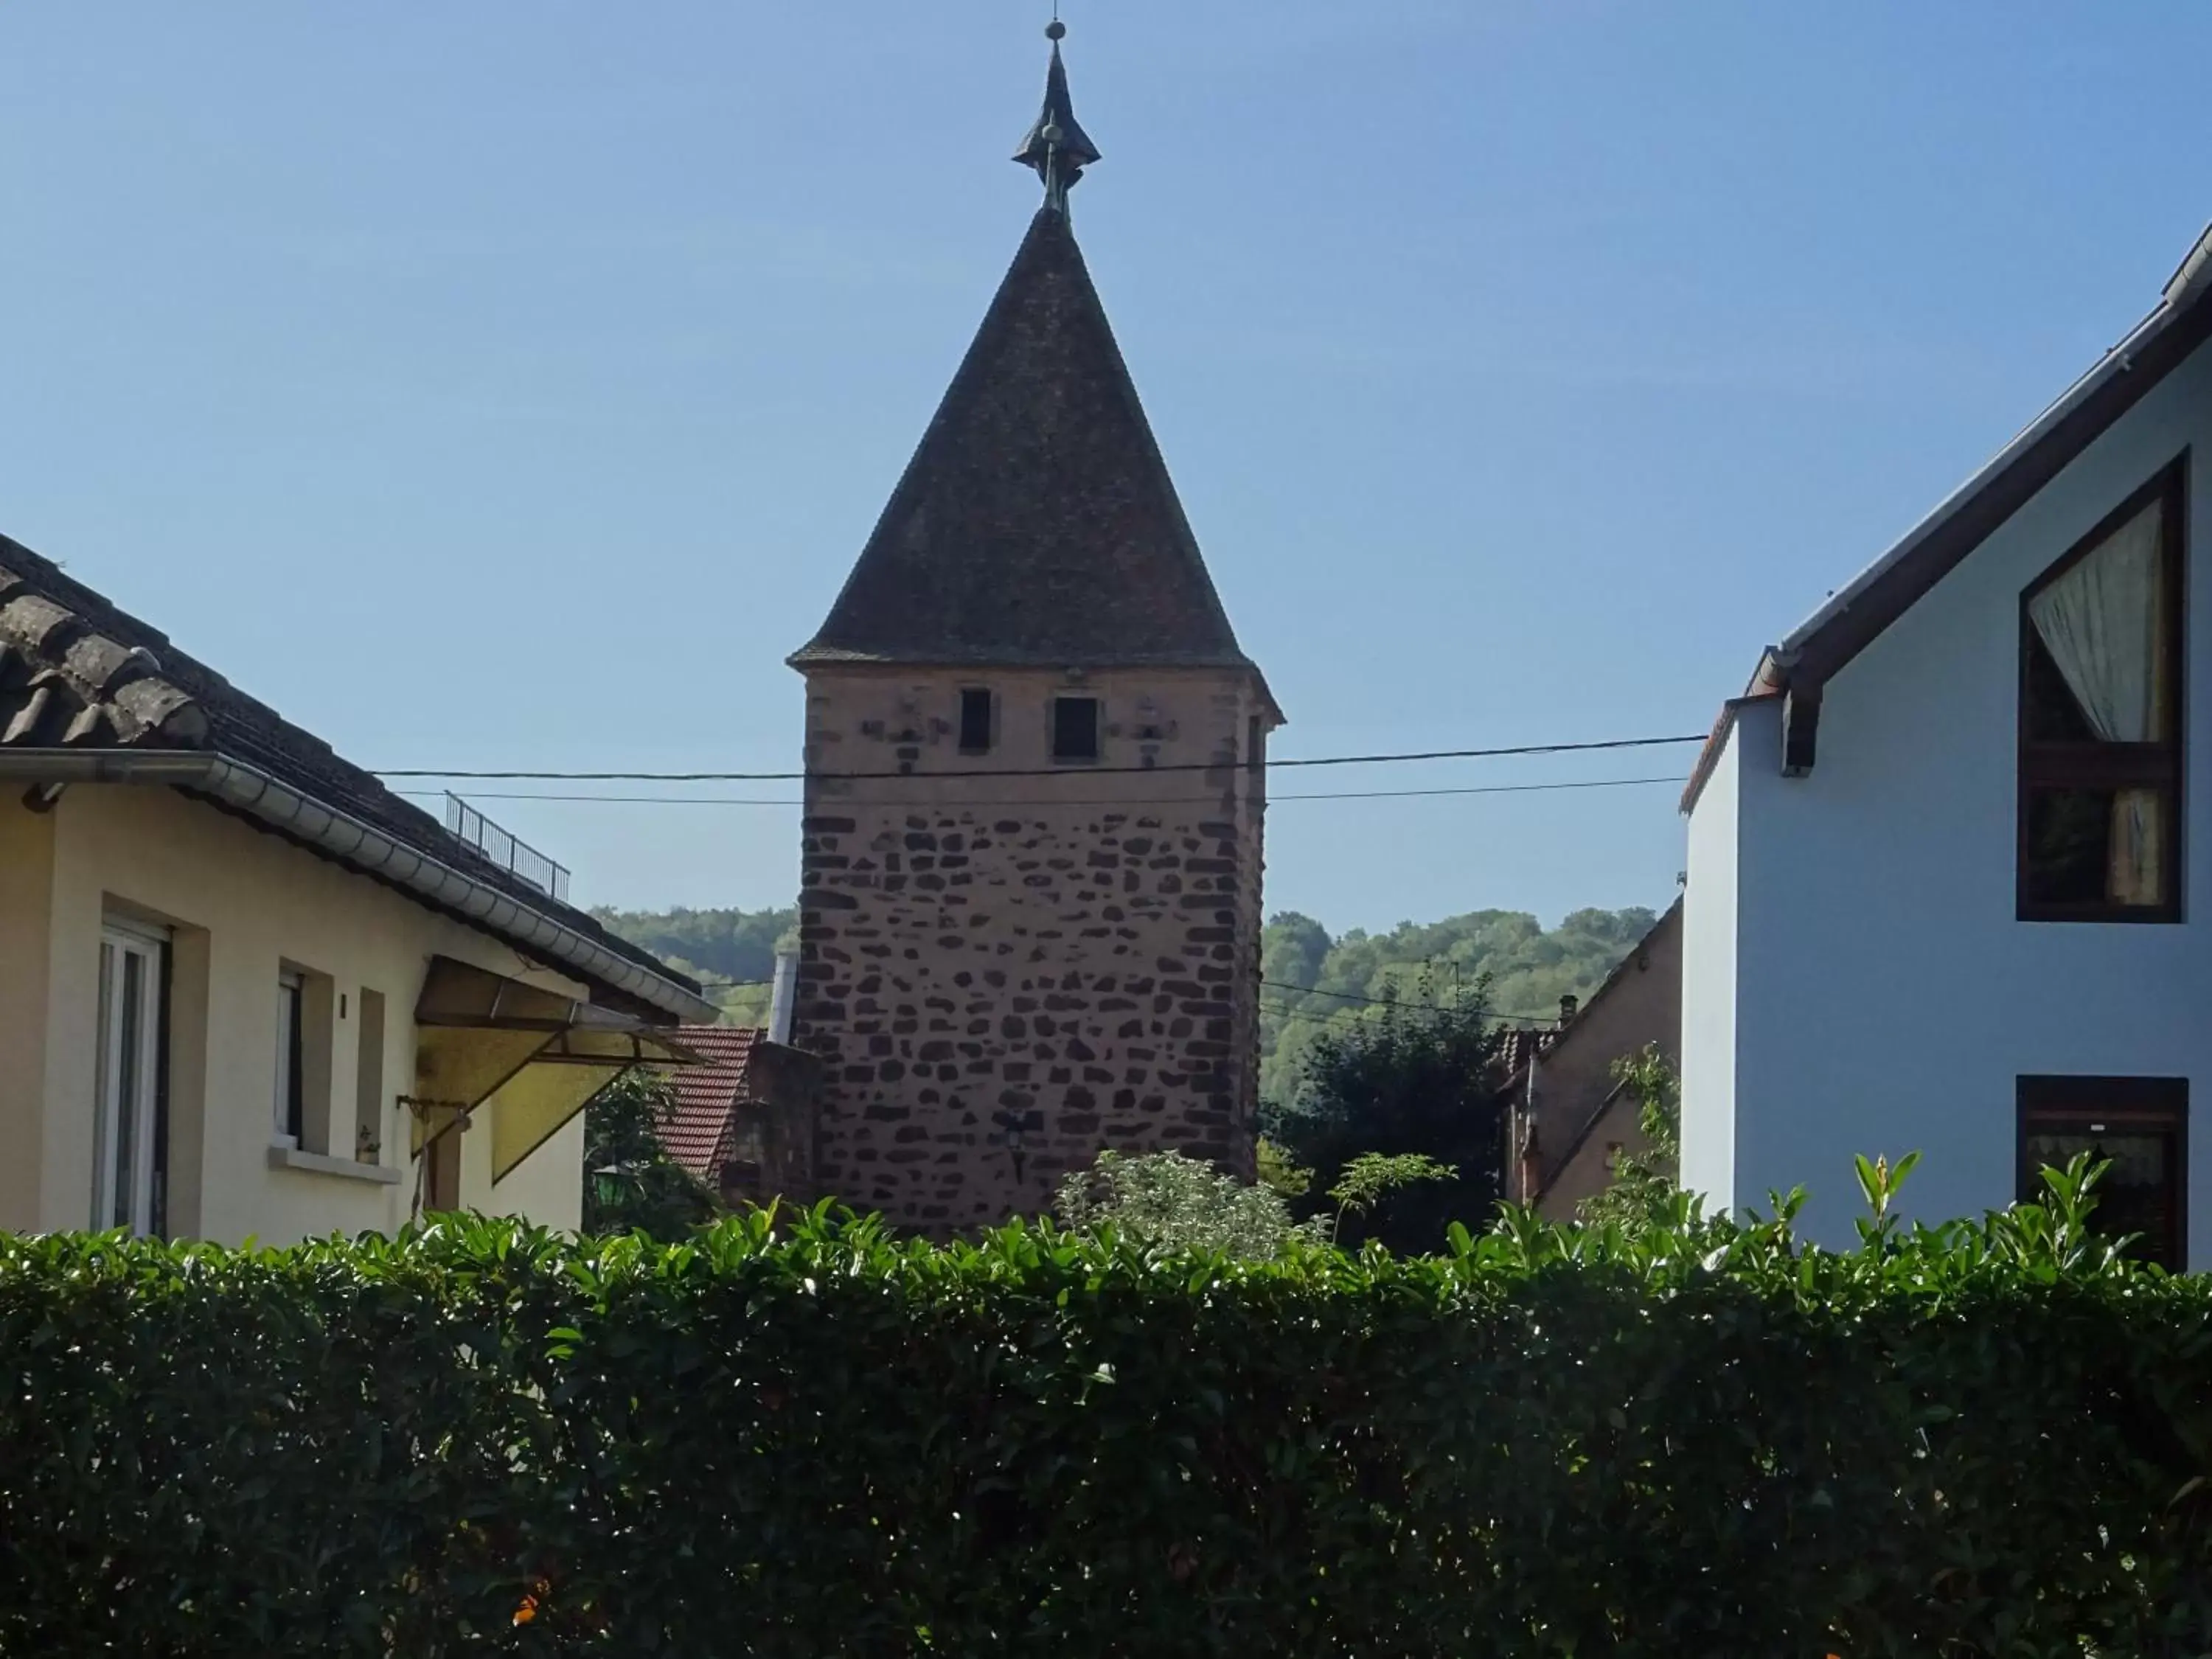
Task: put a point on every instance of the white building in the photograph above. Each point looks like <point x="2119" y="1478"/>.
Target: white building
<point x="1948" y="859"/>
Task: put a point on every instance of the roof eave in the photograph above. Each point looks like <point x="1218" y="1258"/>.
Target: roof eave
<point x="810" y="658"/>
<point x="1863" y="609"/>
<point x="1716" y="743"/>
<point x="2113" y="361"/>
<point x="2097" y="400"/>
<point x="367" y="850"/>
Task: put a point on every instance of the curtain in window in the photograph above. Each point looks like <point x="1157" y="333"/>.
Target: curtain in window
<point x="2103" y="622"/>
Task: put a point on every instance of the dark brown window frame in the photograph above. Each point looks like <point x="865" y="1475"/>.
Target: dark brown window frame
<point x="2051" y="1101"/>
<point x="2113" y="765"/>
<point x="293" y="1009"/>
<point x="990" y="720"/>
<point x="1097" y="728"/>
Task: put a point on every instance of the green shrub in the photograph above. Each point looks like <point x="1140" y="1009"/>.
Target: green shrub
<point x="1695" y="1438"/>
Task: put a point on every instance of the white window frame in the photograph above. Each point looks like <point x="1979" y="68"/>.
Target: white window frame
<point x="127" y="1077"/>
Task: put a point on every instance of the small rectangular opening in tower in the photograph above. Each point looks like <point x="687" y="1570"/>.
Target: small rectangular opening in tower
<point x="975" y="721"/>
<point x="1075" y="728"/>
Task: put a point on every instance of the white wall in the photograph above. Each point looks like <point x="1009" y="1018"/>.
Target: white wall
<point x="1885" y="998"/>
<point x="1709" y="978"/>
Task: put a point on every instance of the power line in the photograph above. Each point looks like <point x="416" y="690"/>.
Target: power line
<point x="1265" y="1007"/>
<point x="1387" y="1002"/>
<point x="1042" y="771"/>
<point x="1271" y="984"/>
<point x="850" y="800"/>
<point x="1301" y="1014"/>
<point x="1394" y="1002"/>
<point x="1348" y="996"/>
<point x="1289" y="1016"/>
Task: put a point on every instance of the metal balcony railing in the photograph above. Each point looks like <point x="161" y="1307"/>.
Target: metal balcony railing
<point x="518" y="857"/>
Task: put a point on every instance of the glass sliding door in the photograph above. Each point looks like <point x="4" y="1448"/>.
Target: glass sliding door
<point x="127" y="1150"/>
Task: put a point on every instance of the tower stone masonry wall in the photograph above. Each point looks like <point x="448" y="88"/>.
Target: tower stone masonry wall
<point x="1006" y="974"/>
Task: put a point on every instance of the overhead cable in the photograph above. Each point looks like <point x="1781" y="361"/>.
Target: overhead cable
<point x="1060" y="771"/>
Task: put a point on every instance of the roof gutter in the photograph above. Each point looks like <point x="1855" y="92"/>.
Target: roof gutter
<point x="255" y="793"/>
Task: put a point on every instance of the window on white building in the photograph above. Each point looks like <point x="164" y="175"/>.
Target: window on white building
<point x="2139" y="1127"/>
<point x="2100" y="720"/>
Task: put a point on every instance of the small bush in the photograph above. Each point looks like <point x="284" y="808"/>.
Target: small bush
<point x="1690" y="1437"/>
<point x="1178" y="1203"/>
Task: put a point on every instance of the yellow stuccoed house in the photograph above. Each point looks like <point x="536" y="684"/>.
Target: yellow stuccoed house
<point x="246" y="991"/>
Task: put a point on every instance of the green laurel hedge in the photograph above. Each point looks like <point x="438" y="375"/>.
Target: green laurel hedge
<point x="812" y="1440"/>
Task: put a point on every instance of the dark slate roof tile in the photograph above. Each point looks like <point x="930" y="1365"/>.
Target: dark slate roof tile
<point x="1037" y="523"/>
<point x="62" y="685"/>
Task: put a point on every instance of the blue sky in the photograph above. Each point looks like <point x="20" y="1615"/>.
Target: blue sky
<point x="512" y="384"/>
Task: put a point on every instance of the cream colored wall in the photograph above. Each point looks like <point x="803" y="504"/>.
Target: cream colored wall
<point x="547" y="1187"/>
<point x="1640" y="1005"/>
<point x="242" y="902"/>
<point x="27" y="853"/>
<point x="1589" y="1171"/>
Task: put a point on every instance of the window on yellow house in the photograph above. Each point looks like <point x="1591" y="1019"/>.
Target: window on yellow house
<point x="291" y="1055"/>
<point x="129" y="1134"/>
<point x="368" y="1080"/>
<point x="306" y="1009"/>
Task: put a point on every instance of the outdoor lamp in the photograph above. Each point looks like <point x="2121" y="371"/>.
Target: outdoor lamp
<point x="607" y="1182"/>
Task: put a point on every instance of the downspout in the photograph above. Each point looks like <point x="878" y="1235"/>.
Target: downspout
<point x="782" y="997"/>
<point x="258" y="795"/>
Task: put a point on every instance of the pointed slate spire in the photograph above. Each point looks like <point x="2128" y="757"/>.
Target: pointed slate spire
<point x="1057" y="146"/>
<point x="1036" y="524"/>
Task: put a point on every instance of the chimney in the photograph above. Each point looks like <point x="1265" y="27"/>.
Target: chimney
<point x="782" y="995"/>
<point x="1568" y="1004"/>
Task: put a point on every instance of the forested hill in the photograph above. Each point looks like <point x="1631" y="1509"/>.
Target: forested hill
<point x="1530" y="969"/>
<point x="1301" y="964"/>
<point x="715" y="947"/>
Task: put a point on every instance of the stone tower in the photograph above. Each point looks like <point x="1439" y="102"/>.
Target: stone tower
<point x="1030" y="907"/>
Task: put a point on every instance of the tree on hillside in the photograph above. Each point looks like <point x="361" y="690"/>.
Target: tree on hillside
<point x="1314" y="982"/>
<point x="1317" y="984"/>
<point x="1293" y="949"/>
<point x="1413" y="1077"/>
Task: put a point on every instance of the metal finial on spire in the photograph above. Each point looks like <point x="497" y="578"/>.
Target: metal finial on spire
<point x="1057" y="147"/>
